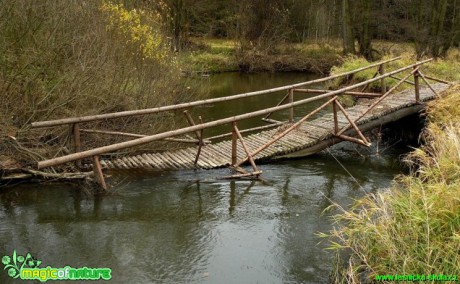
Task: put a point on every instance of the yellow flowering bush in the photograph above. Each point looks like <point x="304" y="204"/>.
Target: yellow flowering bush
<point x="146" y="38"/>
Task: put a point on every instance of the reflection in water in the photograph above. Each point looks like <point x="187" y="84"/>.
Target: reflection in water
<point x="165" y="229"/>
<point x="185" y="227"/>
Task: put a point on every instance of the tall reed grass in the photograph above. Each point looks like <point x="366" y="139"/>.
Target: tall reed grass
<point x="413" y="227"/>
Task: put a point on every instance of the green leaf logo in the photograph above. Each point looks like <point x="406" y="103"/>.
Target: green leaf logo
<point x="16" y="263"/>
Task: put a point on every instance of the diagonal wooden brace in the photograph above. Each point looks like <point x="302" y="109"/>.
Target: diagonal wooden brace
<point x="192" y="123"/>
<point x="365" y="142"/>
<point x="429" y="85"/>
<point x="374" y="104"/>
<point x="285" y="132"/>
<point x="249" y="156"/>
<point x="98" y="172"/>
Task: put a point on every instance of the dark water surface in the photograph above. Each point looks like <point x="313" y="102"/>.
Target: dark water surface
<point x="187" y="227"/>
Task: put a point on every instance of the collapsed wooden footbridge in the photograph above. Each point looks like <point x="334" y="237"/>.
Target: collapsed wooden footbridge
<point x="328" y="124"/>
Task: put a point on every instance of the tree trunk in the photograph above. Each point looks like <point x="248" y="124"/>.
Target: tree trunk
<point x="347" y="31"/>
<point x="436" y="31"/>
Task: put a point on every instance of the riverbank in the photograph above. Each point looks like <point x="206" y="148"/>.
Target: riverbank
<point x="412" y="228"/>
<point x="223" y="55"/>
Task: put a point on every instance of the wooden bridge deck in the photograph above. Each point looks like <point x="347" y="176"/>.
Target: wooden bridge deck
<point x="306" y="136"/>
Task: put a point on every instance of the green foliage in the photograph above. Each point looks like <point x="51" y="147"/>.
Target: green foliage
<point x="446" y="69"/>
<point x="413" y="228"/>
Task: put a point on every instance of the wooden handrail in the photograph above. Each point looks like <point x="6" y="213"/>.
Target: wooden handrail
<point x="159" y="136"/>
<point x="73" y="120"/>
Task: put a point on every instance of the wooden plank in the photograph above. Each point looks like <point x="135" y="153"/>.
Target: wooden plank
<point x="192" y="153"/>
<point x="220" y="159"/>
<point x="223" y="153"/>
<point x="188" y="158"/>
<point x="141" y="162"/>
<point x="172" y="159"/>
<point x="149" y="161"/>
<point x="133" y="164"/>
<point x="208" y="158"/>
<point x="160" y="162"/>
<point x="178" y="159"/>
<point x="166" y="161"/>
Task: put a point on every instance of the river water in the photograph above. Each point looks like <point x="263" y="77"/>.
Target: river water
<point x="188" y="227"/>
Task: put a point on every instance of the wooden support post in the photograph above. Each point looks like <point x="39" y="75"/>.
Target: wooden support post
<point x="192" y="123"/>
<point x="76" y="141"/>
<point x="234" y="144"/>
<point x="200" y="144"/>
<point x="417" y="87"/>
<point x="250" y="158"/>
<point x="291" y="109"/>
<point x="336" y="121"/>
<point x="382" y="81"/>
<point x="98" y="172"/>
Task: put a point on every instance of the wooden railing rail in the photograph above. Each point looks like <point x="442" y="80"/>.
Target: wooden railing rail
<point x="201" y="126"/>
<point x="89" y="118"/>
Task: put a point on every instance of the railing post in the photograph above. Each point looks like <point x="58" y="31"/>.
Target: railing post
<point x="234" y="144"/>
<point x="200" y="143"/>
<point x="336" y="121"/>
<point x="291" y="109"/>
<point x="382" y="81"/>
<point x="417" y="87"/>
<point x="76" y="141"/>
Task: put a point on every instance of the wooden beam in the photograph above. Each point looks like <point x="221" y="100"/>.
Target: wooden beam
<point x="200" y="144"/>
<point x="406" y="81"/>
<point x="358" y="94"/>
<point x="272" y="121"/>
<point x="234" y="144"/>
<point x="437" y="80"/>
<point x="249" y="155"/>
<point x="278" y="104"/>
<point x="246" y="130"/>
<point x="192" y="123"/>
<point x="98" y="172"/>
<point x="116" y="133"/>
<point x="291" y="109"/>
<point x="237" y="176"/>
<point x="417" y="87"/>
<point x="352" y="123"/>
<point x="429" y="85"/>
<point x="382" y="81"/>
<point x="76" y="141"/>
<point x="336" y="121"/>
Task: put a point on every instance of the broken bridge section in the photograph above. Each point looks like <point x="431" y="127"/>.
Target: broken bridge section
<point x="326" y="125"/>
